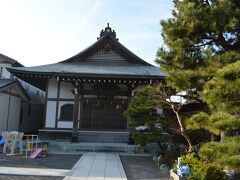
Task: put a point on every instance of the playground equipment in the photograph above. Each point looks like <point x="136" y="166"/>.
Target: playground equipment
<point x="11" y="141"/>
<point x="33" y="146"/>
<point x="16" y="143"/>
<point x="2" y="141"/>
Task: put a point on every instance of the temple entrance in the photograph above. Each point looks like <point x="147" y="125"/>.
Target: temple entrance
<point x="104" y="113"/>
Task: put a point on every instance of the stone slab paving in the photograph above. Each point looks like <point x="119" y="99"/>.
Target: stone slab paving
<point x="98" y="166"/>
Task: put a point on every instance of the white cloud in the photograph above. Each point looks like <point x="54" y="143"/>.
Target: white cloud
<point x="85" y="16"/>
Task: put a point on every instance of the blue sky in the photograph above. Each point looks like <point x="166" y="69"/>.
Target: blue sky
<point x="37" y="32"/>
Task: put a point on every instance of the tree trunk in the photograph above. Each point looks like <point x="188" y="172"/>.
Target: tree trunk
<point x="212" y="138"/>
<point x="182" y="128"/>
<point x="222" y="136"/>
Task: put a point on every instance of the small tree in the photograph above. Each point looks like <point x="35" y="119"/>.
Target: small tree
<point x="158" y="96"/>
<point x="140" y="111"/>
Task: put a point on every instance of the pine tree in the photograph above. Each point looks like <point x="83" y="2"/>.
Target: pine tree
<point x="222" y="96"/>
<point x="141" y="112"/>
<point x="200" y="38"/>
<point x="201" y="57"/>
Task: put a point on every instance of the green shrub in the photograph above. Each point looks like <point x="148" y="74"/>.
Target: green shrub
<point x="212" y="172"/>
<point x="201" y="170"/>
<point x="226" y="153"/>
<point x="168" y="156"/>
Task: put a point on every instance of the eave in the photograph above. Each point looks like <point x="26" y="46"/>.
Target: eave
<point x="39" y="79"/>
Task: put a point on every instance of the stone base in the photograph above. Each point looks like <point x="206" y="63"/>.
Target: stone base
<point x="62" y="147"/>
<point x="46" y="134"/>
<point x="85" y="136"/>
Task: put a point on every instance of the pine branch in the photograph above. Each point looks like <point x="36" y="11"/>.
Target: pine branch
<point x="204" y="44"/>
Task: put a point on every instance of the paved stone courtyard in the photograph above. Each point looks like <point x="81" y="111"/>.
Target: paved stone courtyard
<point x="90" y="166"/>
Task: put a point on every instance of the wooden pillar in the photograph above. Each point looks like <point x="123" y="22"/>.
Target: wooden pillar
<point x="75" y="116"/>
<point x="81" y="112"/>
<point x="131" y="130"/>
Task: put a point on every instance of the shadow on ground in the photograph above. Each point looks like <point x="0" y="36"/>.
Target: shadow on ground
<point x="141" y="168"/>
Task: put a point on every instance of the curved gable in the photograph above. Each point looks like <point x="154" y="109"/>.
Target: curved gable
<point x="107" y="48"/>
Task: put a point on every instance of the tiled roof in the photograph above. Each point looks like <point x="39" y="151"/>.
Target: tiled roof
<point x="10" y="60"/>
<point x="90" y="68"/>
<point x="4" y="82"/>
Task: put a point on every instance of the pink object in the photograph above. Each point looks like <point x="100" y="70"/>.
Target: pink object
<point x="35" y="153"/>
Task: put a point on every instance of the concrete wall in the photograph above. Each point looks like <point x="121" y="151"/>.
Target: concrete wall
<point x="3" y="111"/>
<point x="9" y="118"/>
<point x="15" y="105"/>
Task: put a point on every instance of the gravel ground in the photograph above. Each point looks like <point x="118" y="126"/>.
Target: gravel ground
<point x="10" y="177"/>
<point x="141" y="168"/>
<point x="52" y="161"/>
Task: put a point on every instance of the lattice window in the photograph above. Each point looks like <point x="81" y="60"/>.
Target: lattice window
<point x="66" y="112"/>
<point x="106" y="54"/>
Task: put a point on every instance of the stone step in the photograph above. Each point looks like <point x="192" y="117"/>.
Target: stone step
<point x="101" y="136"/>
<point x="68" y="147"/>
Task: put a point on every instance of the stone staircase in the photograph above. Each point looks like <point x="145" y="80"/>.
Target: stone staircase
<point x="103" y="136"/>
<point x="62" y="147"/>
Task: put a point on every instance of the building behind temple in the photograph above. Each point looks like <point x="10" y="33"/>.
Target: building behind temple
<point x="21" y="104"/>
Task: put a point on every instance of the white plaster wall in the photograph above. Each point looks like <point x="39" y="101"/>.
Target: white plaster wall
<point x="5" y="72"/>
<point x="50" y="114"/>
<point x="65" y="124"/>
<point x="14" y="112"/>
<point x="52" y="88"/>
<point x="66" y="90"/>
<point x="4" y="99"/>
